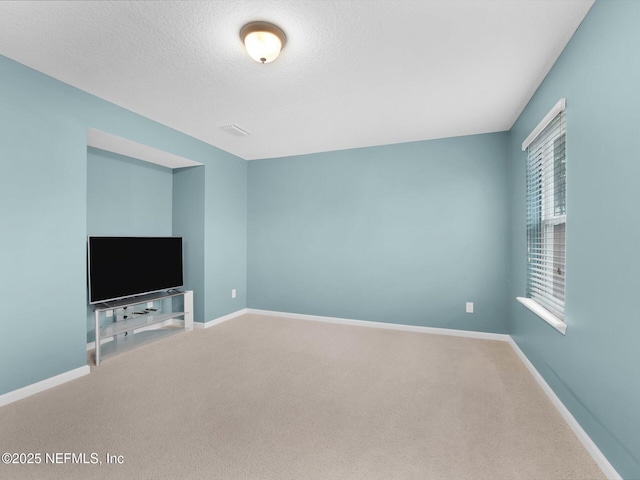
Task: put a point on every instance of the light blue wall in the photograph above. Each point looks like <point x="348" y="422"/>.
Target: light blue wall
<point x="402" y="233"/>
<point x="43" y="158"/>
<point x="126" y="196"/>
<point x="595" y="368"/>
<point x="188" y="223"/>
<point x="43" y="218"/>
<point x="225" y="236"/>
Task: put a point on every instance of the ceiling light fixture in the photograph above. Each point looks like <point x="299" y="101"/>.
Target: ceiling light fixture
<point x="263" y="41"/>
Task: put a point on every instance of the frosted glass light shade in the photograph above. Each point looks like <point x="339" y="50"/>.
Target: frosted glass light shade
<point x="263" y="41"/>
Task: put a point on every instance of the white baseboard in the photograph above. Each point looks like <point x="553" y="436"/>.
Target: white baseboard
<point x="45" y="384"/>
<point x="584" y="438"/>
<point x="503" y="337"/>
<point x="218" y="321"/>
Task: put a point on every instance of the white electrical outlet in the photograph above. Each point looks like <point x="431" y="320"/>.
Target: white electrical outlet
<point x="469" y="307"/>
<point x="233" y="293"/>
<point x="149" y="304"/>
<point x="109" y="313"/>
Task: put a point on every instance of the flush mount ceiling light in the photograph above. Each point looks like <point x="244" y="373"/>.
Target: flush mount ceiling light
<point x="263" y="41"/>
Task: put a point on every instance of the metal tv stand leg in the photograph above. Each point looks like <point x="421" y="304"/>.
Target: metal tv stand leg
<point x="97" y="317"/>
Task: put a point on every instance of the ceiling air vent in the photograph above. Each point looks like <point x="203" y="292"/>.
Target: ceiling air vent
<point x="235" y="130"/>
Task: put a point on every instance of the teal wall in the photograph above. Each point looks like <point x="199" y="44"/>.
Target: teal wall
<point x="43" y="153"/>
<point x="401" y="233"/>
<point x="126" y="196"/>
<point x="188" y="223"/>
<point x="594" y="369"/>
<point x="43" y="218"/>
<point x="225" y="236"/>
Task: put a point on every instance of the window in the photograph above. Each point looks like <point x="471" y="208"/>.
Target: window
<point x="547" y="217"/>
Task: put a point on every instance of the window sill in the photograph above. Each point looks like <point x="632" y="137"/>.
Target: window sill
<point x="544" y="314"/>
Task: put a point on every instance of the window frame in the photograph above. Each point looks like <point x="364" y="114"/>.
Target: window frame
<point x="547" y="223"/>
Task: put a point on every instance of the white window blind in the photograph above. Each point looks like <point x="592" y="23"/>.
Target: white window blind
<point x="547" y="215"/>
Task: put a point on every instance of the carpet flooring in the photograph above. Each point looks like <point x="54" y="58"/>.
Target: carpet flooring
<point x="273" y="398"/>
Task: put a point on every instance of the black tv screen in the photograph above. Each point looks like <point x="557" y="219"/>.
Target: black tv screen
<point x="122" y="267"/>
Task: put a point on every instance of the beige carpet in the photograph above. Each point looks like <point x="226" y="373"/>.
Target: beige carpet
<point x="272" y="398"/>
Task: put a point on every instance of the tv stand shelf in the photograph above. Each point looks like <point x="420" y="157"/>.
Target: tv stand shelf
<point x="135" y="322"/>
<point x="136" y="326"/>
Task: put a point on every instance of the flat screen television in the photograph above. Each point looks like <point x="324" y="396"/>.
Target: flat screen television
<point x="121" y="267"/>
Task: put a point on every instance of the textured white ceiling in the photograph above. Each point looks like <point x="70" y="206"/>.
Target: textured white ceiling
<point x="353" y="73"/>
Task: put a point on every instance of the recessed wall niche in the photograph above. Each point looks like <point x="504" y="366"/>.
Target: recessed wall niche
<point x="137" y="190"/>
